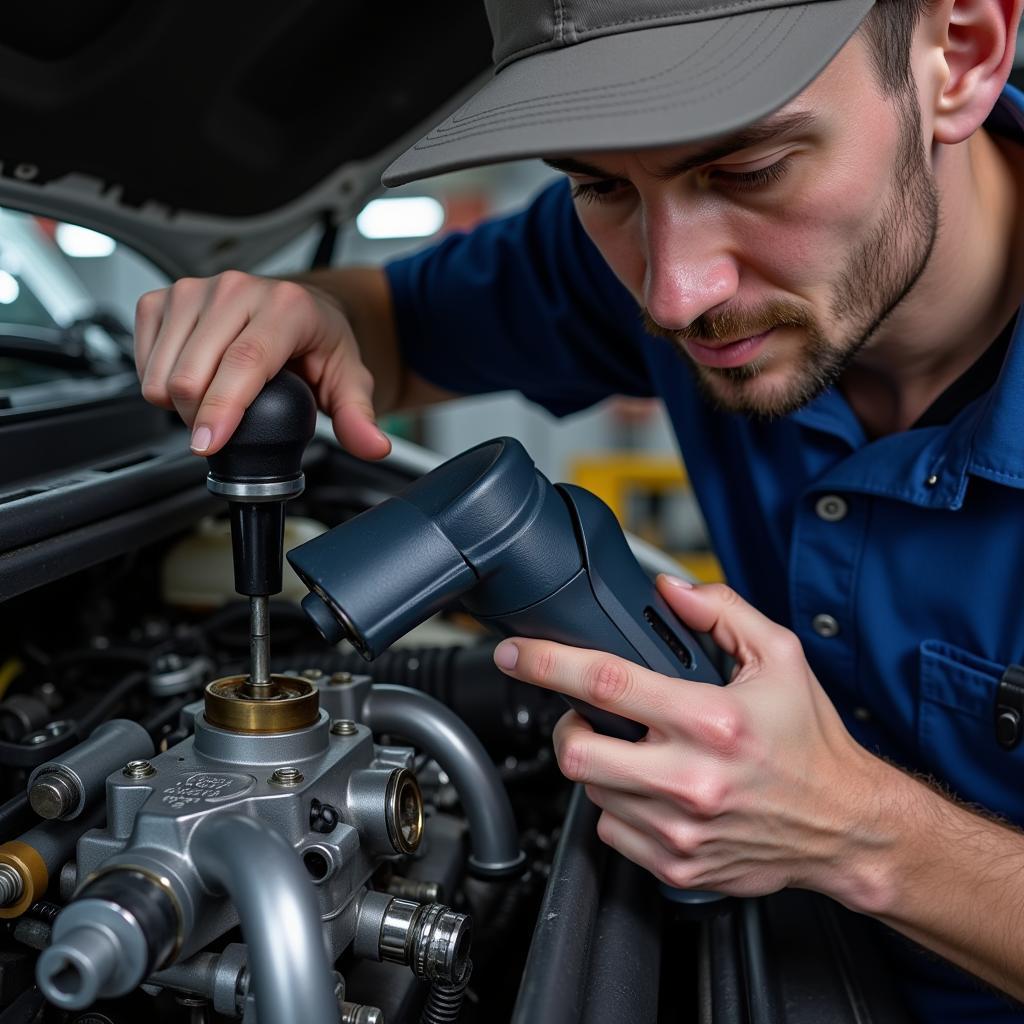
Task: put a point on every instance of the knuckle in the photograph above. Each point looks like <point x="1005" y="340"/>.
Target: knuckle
<point x="707" y="798"/>
<point x="677" y="873"/>
<point x="723" y="729"/>
<point x="786" y="645"/>
<point x="608" y="681"/>
<point x="543" y="665"/>
<point x="291" y="296"/>
<point x="604" y="828"/>
<point x="574" y="760"/>
<point x="150" y="302"/>
<point x="678" y="837"/>
<point x="153" y="391"/>
<point x="247" y="352"/>
<point x="185" y="387"/>
<point x="725" y="594"/>
<point x="229" y="281"/>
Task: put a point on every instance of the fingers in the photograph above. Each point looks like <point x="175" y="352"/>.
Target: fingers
<point x="700" y="711"/>
<point x="206" y="347"/>
<point x="736" y="626"/>
<point x="600" y="679"/>
<point x="595" y="759"/>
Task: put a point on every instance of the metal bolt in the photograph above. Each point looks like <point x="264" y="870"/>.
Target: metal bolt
<point x="51" y="731"/>
<point x="356" y="1013"/>
<point x="932" y="480"/>
<point x="286" y="777"/>
<point x="344" y="727"/>
<point x="340" y="678"/>
<point x="312" y="674"/>
<point x="138" y="770"/>
<point x="53" y="795"/>
<point x="11" y="886"/>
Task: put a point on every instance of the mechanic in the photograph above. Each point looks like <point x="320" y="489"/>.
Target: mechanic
<point x="816" y="208"/>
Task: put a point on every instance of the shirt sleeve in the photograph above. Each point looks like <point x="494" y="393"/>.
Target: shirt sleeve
<point x="522" y="303"/>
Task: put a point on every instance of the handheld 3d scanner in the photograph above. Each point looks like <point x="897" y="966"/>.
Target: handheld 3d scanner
<point x="524" y="556"/>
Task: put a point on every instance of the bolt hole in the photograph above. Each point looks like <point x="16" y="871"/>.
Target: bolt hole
<point x="318" y="866"/>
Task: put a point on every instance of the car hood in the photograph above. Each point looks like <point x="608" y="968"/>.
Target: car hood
<point x="207" y="135"/>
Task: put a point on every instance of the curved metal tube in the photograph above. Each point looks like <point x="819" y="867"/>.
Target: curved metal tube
<point x="262" y="875"/>
<point x="494" y="838"/>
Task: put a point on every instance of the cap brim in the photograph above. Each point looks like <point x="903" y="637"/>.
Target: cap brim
<point x="660" y="86"/>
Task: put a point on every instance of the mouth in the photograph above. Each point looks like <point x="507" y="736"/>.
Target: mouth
<point x="725" y="355"/>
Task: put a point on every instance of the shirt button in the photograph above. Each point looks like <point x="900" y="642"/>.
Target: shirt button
<point x="831" y="508"/>
<point x="862" y="714"/>
<point x="824" y="625"/>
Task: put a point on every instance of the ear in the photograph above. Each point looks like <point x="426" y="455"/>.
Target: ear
<point x="977" y="39"/>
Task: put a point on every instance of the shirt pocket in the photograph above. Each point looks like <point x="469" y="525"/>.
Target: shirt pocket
<point x="956" y="729"/>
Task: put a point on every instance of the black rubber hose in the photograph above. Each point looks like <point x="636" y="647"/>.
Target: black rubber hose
<point x="16" y="816"/>
<point x="507" y="715"/>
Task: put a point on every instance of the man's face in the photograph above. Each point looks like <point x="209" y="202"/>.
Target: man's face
<point x="771" y="265"/>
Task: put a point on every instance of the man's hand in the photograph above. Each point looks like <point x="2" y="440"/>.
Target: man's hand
<point x="743" y="789"/>
<point x="207" y="346"/>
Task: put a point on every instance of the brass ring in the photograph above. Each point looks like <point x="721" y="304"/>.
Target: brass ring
<point x="291" y="704"/>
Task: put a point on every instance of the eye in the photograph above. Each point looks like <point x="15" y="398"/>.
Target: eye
<point x="603" y="191"/>
<point x="743" y="180"/>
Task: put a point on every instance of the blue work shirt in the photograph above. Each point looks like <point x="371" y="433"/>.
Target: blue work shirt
<point x="898" y="561"/>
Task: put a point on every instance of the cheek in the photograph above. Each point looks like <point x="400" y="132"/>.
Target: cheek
<point x="619" y="241"/>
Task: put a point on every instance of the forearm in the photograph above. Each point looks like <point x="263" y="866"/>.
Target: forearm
<point x="950" y="879"/>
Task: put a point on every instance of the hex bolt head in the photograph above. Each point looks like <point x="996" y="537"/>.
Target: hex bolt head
<point x="286" y="777"/>
<point x="138" y="770"/>
<point x="340" y="678"/>
<point x="344" y="727"/>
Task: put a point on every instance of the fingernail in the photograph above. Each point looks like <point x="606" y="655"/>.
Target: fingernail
<point x="677" y="581"/>
<point x="506" y="654"/>
<point x="201" y="438"/>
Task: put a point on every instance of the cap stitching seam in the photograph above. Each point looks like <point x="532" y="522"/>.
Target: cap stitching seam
<point x="722" y="6"/>
<point x="559" y="22"/>
<point x="699" y="61"/>
<point x="426" y="144"/>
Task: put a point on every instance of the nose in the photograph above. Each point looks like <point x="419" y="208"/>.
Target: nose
<point x="689" y="269"/>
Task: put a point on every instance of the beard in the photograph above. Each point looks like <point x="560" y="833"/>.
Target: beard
<point x="875" y="279"/>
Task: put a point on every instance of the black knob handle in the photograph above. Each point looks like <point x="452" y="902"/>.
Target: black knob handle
<point x="258" y="470"/>
<point x="268" y="444"/>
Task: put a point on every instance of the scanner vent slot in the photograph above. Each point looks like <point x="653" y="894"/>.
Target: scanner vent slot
<point x="668" y="638"/>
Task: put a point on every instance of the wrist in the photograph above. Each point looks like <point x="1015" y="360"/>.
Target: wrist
<point x="879" y="837"/>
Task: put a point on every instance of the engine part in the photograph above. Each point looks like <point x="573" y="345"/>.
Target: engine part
<point x="444" y="1004"/>
<point x="447" y="739"/>
<point x="121" y="927"/>
<point x="221" y="825"/>
<point x="285" y="704"/>
<point x="525" y="557"/>
<point x="258" y="470"/>
<point x="28" y="863"/>
<point x="291" y="978"/>
<point x="428" y="937"/>
<point x="63" y="787"/>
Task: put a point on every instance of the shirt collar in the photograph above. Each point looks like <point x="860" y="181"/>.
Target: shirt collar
<point x="930" y="466"/>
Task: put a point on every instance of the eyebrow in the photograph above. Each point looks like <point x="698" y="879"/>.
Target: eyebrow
<point x="757" y="134"/>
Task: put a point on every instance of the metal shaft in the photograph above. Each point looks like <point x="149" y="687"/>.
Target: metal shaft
<point x="11" y="886"/>
<point x="259" y="648"/>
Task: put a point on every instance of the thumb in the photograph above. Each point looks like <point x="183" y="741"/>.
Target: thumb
<point x="736" y="626"/>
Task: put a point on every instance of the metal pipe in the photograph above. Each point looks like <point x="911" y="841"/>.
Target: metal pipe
<point x="494" y="838"/>
<point x="265" y="880"/>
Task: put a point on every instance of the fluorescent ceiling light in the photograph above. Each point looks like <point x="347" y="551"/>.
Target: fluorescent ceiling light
<point x="9" y="288"/>
<point x="409" y="217"/>
<point x="83" y="242"/>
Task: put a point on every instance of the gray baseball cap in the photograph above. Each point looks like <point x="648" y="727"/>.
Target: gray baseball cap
<point x="588" y="75"/>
